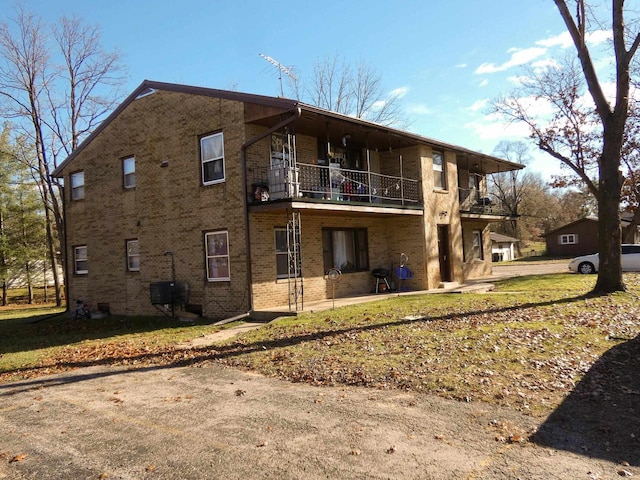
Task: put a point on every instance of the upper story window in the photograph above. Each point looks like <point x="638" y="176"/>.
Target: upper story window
<point x="217" y="251"/>
<point x="133" y="255"/>
<point x="568" y="239"/>
<point x="77" y="185"/>
<point x="129" y="172"/>
<point x="80" y="262"/>
<point x="439" y="171"/>
<point x="212" y="158"/>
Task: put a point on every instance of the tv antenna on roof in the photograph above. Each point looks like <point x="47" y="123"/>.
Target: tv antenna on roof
<point x="281" y="69"/>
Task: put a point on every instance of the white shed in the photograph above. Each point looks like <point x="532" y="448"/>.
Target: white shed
<point x="502" y="247"/>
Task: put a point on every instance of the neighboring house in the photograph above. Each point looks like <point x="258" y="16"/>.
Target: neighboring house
<point x="247" y="201"/>
<point x="577" y="238"/>
<point x="502" y="247"/>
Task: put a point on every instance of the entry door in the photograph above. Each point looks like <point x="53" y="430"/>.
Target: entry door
<point x="443" y="253"/>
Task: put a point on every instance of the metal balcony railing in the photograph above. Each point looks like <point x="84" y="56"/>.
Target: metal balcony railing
<point x="474" y="201"/>
<point x="333" y="183"/>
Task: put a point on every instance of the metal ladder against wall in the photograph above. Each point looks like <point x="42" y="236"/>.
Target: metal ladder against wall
<point x="296" y="286"/>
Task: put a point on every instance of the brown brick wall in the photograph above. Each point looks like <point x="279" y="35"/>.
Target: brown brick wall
<point x="388" y="236"/>
<point x="168" y="210"/>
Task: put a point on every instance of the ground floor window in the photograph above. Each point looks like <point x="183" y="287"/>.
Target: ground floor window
<point x="81" y="264"/>
<point x="345" y="249"/>
<point x="217" y="252"/>
<point x="133" y="256"/>
<point x="282" y="254"/>
<point x="568" y="239"/>
<point x="477" y="251"/>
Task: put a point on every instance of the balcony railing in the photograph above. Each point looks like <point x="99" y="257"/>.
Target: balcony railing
<point x="333" y="183"/>
<point x="474" y="201"/>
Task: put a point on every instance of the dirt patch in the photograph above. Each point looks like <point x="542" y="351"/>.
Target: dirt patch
<point x="217" y="422"/>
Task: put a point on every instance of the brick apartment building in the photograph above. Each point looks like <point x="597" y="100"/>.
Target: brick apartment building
<point x="245" y="202"/>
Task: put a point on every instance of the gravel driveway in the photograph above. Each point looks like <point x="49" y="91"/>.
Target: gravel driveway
<point x="217" y="422"/>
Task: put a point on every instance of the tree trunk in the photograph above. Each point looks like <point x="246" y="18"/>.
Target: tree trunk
<point x="5" y="294"/>
<point x="29" y="284"/>
<point x="609" y="231"/>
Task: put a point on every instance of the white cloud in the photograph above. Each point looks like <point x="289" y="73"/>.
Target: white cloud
<point x="518" y="79"/>
<point x="599" y="36"/>
<point x="484" y="83"/>
<point x="479" y="105"/>
<point x="399" y="92"/>
<point x="545" y="64"/>
<point x="494" y="127"/>
<point x="461" y="65"/>
<point x="564" y="39"/>
<point x="518" y="57"/>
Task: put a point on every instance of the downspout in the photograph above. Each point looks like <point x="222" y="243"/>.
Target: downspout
<point x="63" y="251"/>
<point x="243" y="159"/>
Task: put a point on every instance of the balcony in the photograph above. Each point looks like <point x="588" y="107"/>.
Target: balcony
<point x="474" y="203"/>
<point x="330" y="184"/>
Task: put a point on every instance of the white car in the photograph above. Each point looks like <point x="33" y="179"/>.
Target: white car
<point x="590" y="263"/>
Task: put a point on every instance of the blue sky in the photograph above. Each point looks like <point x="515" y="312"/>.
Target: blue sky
<point x="447" y="57"/>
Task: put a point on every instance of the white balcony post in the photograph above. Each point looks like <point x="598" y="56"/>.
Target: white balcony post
<point x="401" y="181"/>
<point x="369" y="174"/>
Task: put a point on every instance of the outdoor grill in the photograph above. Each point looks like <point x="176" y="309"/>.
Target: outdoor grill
<point x="381" y="274"/>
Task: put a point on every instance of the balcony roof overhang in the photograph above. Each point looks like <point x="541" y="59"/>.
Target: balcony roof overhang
<point x="335" y="208"/>
<point x="334" y="126"/>
<point x="487" y="217"/>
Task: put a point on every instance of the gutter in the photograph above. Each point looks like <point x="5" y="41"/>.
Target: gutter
<point x="243" y="159"/>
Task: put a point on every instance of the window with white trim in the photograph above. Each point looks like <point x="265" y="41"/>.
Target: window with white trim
<point x="129" y="172"/>
<point x="133" y="255"/>
<point x="217" y="252"/>
<point x="439" y="171"/>
<point x="477" y="251"/>
<point x="568" y="239"/>
<point x="212" y="158"/>
<point x="282" y="254"/>
<point x="80" y="262"/>
<point x="77" y="185"/>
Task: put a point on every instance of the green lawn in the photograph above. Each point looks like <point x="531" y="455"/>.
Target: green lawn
<point x="526" y="345"/>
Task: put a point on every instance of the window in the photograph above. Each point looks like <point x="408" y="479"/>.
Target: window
<point x="77" y="186"/>
<point x="439" y="171"/>
<point x="129" y="172"/>
<point x="345" y="249"/>
<point x="217" y="250"/>
<point x="212" y="157"/>
<point x="568" y="239"/>
<point x="477" y="245"/>
<point x="133" y="256"/>
<point x="80" y="260"/>
<point x="282" y="254"/>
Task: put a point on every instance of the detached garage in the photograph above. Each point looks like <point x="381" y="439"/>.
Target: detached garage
<point x="576" y="238"/>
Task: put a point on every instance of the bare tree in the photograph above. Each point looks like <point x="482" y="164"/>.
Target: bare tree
<point x="55" y="87"/>
<point x="582" y="136"/>
<point x="510" y="188"/>
<point x="352" y="89"/>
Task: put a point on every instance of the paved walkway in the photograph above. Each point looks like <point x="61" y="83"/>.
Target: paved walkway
<point x="474" y="286"/>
